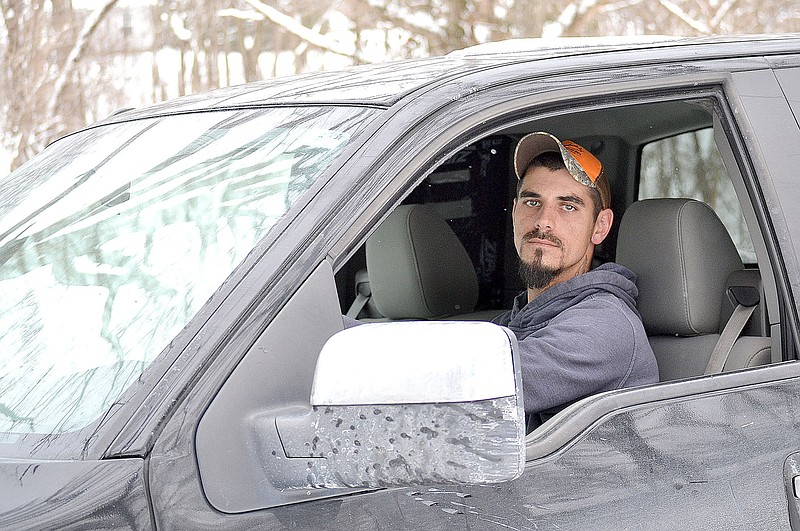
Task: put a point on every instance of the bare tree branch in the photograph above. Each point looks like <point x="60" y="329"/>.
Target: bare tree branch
<point x="240" y="14"/>
<point x="291" y="25"/>
<point x="567" y="18"/>
<point x="332" y="8"/>
<point x="397" y="21"/>
<point x="695" y="24"/>
<point x="619" y="6"/>
<point x="76" y="53"/>
<point x="722" y="11"/>
<point x="4" y="10"/>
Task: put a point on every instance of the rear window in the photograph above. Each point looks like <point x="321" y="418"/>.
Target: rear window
<point x="690" y="165"/>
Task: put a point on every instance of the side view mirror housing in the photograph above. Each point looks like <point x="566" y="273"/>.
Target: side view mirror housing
<point x="410" y="403"/>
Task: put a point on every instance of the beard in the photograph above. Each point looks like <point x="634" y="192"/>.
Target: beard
<point x="534" y="273"/>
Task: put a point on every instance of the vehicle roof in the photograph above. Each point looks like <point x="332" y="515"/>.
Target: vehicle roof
<point x="384" y="84"/>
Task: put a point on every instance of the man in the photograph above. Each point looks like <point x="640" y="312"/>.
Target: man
<point x="578" y="329"/>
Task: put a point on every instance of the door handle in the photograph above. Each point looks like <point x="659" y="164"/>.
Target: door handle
<point x="791" y="480"/>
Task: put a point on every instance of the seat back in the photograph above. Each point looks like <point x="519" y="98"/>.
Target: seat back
<point x="418" y="268"/>
<point x="683" y="256"/>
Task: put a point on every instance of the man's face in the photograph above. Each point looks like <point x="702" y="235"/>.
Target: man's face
<point x="555" y="230"/>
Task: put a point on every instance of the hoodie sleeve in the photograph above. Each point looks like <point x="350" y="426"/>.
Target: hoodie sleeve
<point x="585" y="349"/>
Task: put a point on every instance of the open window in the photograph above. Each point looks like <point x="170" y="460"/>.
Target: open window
<point x="654" y="151"/>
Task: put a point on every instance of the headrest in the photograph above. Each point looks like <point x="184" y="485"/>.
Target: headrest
<point x="418" y="268"/>
<point x="682" y="255"/>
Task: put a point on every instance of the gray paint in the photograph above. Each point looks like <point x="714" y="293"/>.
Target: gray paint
<point x="73" y="495"/>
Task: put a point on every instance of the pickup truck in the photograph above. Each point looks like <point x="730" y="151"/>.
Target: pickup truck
<point x="178" y="285"/>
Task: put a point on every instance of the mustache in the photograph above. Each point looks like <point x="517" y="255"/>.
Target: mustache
<point x="539" y="235"/>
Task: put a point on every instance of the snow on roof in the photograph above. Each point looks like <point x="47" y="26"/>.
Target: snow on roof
<point x="558" y="43"/>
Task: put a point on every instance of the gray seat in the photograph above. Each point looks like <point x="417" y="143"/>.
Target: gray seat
<point x="684" y="257"/>
<point x="418" y="268"/>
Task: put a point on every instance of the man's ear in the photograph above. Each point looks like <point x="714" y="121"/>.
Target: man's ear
<point x="602" y="225"/>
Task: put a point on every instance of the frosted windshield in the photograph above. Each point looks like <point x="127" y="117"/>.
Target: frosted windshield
<point x="112" y="240"/>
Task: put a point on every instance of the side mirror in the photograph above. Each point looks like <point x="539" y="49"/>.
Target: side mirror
<point x="410" y="403"/>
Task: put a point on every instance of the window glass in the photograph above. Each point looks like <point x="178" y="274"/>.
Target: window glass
<point x="112" y="240"/>
<point x="689" y="165"/>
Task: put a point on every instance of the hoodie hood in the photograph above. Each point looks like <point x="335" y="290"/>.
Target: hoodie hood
<point x="611" y="278"/>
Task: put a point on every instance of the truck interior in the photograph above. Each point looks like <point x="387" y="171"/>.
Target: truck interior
<point x="684" y="222"/>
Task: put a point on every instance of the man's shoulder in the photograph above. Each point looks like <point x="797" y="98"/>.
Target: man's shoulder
<point x="597" y="307"/>
<point x="520" y="302"/>
<point x="503" y="319"/>
<point x="611" y="321"/>
<point x="612" y="306"/>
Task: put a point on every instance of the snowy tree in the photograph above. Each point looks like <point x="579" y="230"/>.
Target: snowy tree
<point x="46" y="77"/>
<point x="63" y="66"/>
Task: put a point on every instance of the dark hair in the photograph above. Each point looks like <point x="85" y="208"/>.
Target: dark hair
<point x="553" y="162"/>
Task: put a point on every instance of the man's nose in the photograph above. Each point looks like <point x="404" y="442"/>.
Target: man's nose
<point x="544" y="218"/>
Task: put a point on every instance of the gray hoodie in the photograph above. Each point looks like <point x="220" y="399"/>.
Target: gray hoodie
<point x="580" y="337"/>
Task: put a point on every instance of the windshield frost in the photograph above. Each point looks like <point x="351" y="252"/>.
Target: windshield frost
<point x="112" y="240"/>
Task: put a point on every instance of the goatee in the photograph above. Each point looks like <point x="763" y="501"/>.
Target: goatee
<point x="536" y="275"/>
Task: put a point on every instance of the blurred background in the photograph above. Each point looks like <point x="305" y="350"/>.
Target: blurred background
<point x="65" y="64"/>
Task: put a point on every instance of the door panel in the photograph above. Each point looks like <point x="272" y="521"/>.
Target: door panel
<point x="274" y="375"/>
<point x="712" y="462"/>
<point x="791" y="478"/>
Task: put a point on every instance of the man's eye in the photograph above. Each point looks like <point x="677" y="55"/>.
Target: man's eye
<point x="531" y="202"/>
<point x="569" y="208"/>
